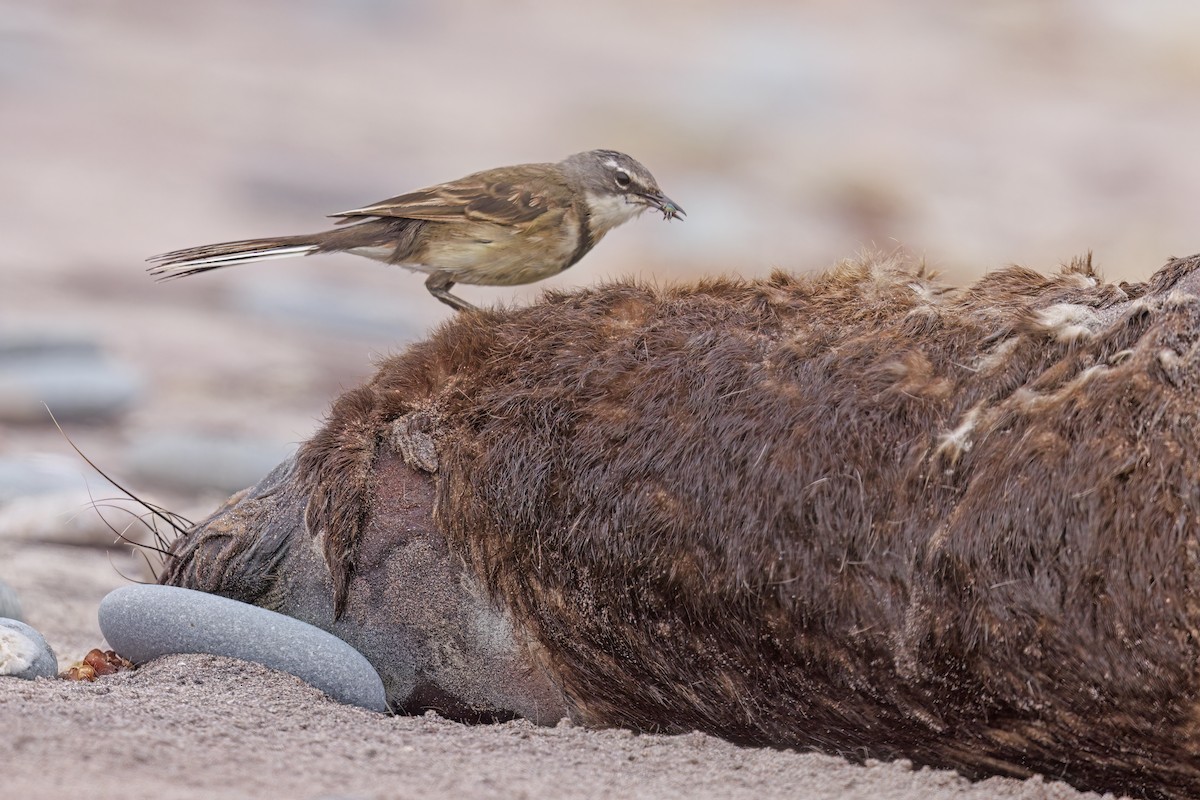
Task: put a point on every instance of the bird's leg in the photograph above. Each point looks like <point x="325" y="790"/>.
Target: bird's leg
<point x="438" y="283"/>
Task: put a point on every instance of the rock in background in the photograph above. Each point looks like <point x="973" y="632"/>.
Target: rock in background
<point x="10" y="605"/>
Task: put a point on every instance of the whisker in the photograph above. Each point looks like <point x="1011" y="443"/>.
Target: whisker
<point x="155" y="510"/>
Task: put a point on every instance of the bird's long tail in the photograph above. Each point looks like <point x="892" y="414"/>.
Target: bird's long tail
<point x="193" y="260"/>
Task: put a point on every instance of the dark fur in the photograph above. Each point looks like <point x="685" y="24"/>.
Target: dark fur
<point x="738" y="507"/>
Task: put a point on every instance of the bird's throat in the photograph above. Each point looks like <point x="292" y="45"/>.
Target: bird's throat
<point x="607" y="211"/>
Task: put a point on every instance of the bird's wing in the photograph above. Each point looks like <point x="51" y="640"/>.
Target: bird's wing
<point x="476" y="198"/>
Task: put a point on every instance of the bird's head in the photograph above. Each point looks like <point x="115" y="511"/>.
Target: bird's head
<point x="617" y="188"/>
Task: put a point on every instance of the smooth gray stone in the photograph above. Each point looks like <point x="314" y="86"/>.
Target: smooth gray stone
<point x="25" y="345"/>
<point x="145" y="622"/>
<point x="42" y="474"/>
<point x="191" y="463"/>
<point x="340" y="309"/>
<point x="10" y="605"/>
<point x="24" y="652"/>
<point x="68" y="374"/>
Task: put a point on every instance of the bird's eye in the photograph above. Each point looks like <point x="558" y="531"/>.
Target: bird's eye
<point x="623" y="178"/>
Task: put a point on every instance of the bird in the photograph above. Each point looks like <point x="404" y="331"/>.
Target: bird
<point x="500" y="227"/>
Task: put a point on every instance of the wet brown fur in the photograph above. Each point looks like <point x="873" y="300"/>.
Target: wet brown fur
<point x="860" y="511"/>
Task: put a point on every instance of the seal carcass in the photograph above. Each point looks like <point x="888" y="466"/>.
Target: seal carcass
<point x="862" y="512"/>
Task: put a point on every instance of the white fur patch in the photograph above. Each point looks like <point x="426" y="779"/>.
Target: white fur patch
<point x="1028" y="400"/>
<point x="1069" y="322"/>
<point x="1178" y="299"/>
<point x="922" y="291"/>
<point x="954" y="444"/>
<point x="1119" y="357"/>
<point x="998" y="356"/>
<point x="1089" y="373"/>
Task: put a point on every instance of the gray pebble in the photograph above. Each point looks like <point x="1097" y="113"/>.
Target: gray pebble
<point x="55" y="498"/>
<point x="24" y="652"/>
<point x="10" y="606"/>
<point x="29" y="345"/>
<point x="68" y="374"/>
<point x="145" y="622"/>
<point x="193" y="462"/>
<point x="335" y="308"/>
<point x="45" y="474"/>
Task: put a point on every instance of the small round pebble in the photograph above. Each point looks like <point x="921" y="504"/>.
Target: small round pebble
<point x="24" y="652"/>
<point x="144" y="622"/>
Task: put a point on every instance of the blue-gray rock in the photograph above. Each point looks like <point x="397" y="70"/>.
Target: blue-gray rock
<point x="337" y="308"/>
<point x="10" y="606"/>
<point x="70" y="375"/>
<point x="193" y="462"/>
<point x="42" y="474"/>
<point x="24" y="652"/>
<point x="145" y="622"/>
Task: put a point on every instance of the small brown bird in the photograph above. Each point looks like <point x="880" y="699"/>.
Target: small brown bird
<point x="500" y="227"/>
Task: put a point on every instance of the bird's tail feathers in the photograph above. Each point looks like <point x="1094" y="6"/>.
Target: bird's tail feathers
<point x="193" y="260"/>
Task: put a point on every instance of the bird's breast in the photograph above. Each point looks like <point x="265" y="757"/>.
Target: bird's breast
<point x="488" y="254"/>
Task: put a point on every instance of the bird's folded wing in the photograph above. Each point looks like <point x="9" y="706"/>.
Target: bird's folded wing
<point x="461" y="201"/>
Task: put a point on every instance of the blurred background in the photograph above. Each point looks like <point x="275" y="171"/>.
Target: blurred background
<point x="795" y="133"/>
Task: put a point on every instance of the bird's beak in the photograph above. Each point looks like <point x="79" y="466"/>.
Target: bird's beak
<point x="666" y="205"/>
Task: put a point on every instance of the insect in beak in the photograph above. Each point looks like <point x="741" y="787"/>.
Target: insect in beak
<point x="666" y="205"/>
